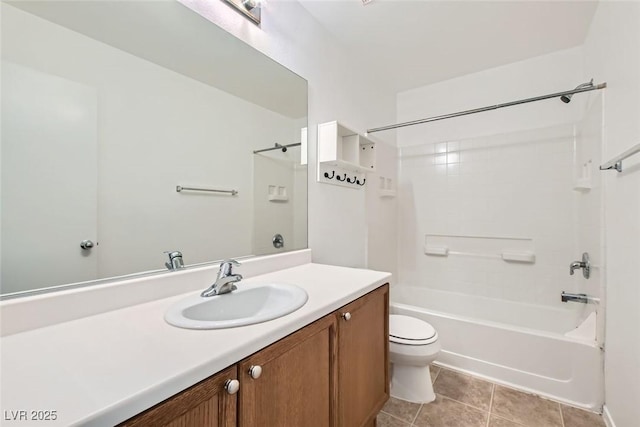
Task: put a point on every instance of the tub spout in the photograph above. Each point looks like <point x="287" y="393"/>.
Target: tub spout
<point x="582" y="298"/>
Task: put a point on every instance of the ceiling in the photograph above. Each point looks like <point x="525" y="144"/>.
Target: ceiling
<point x="412" y="43"/>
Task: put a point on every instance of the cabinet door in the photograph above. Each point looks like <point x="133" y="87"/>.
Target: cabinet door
<point x="296" y="383"/>
<point x="206" y="404"/>
<point x="363" y="358"/>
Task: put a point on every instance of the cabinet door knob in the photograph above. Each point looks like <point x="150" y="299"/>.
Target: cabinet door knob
<point x="232" y="386"/>
<point x="255" y="371"/>
<point x="346" y="316"/>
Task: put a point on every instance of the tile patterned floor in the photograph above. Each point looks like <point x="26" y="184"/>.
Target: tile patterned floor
<point x="466" y="401"/>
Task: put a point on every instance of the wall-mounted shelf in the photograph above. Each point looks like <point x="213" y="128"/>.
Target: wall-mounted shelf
<point x="347" y="166"/>
<point x="509" y="249"/>
<point x="344" y="156"/>
<point x="344" y="148"/>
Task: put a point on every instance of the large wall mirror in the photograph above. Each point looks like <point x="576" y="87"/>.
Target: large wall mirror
<point x="108" y="107"/>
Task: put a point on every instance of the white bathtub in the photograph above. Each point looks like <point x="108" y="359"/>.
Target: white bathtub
<point x="520" y="345"/>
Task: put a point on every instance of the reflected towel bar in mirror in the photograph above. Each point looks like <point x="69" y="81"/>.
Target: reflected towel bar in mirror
<point x="180" y="188"/>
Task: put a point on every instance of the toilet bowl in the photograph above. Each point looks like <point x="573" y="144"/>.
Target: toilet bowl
<point x="413" y="345"/>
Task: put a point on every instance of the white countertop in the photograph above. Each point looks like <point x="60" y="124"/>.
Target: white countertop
<point x="103" y="369"/>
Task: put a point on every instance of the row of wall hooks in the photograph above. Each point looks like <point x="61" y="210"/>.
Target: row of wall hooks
<point x="345" y="178"/>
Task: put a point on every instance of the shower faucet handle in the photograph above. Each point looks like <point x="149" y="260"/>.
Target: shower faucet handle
<point x="585" y="265"/>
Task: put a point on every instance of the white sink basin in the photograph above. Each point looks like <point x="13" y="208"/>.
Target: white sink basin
<point x="249" y="304"/>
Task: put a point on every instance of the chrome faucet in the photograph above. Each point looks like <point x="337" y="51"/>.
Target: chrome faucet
<point x="566" y="297"/>
<point x="583" y="298"/>
<point x="225" y="281"/>
<point x="574" y="266"/>
<point x="585" y="265"/>
<point x="175" y="260"/>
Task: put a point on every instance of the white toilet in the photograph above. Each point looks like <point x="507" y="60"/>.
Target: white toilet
<point x="413" y="345"/>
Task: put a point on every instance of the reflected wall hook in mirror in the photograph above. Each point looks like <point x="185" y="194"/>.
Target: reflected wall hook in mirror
<point x="326" y="175"/>
<point x="352" y="181"/>
<point x="341" y="179"/>
<point x="363" y="181"/>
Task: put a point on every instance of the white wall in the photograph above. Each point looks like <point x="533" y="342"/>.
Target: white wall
<point x="612" y="54"/>
<point x="537" y="76"/>
<point x="381" y="206"/>
<point x="504" y="173"/>
<point x="156" y="129"/>
<point x="339" y="89"/>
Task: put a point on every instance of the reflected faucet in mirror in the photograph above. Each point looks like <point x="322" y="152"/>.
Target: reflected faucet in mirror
<point x="225" y="280"/>
<point x="175" y="260"/>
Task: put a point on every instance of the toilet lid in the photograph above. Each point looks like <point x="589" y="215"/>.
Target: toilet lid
<point x="410" y="331"/>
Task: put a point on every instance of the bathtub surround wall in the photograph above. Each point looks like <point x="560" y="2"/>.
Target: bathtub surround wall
<point x="485" y="198"/>
<point x="340" y="88"/>
<point x="612" y="52"/>
<point x="493" y="182"/>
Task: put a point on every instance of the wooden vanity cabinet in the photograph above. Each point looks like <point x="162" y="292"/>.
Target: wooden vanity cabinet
<point x="331" y="373"/>
<point x="206" y="404"/>
<point x="291" y="382"/>
<point x="363" y="358"/>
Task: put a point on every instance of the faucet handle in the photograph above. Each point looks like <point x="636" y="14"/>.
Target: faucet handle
<point x="226" y="267"/>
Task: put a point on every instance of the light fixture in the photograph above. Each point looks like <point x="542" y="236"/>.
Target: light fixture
<point x="249" y="8"/>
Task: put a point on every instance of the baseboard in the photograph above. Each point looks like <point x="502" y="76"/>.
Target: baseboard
<point x="606" y="416"/>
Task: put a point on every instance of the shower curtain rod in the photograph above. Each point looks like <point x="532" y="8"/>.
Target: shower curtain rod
<point x="277" y="147"/>
<point x="491" y="107"/>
